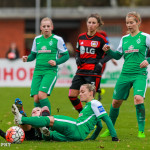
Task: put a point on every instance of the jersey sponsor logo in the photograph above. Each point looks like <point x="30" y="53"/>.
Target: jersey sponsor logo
<point x="87" y="50"/>
<point x="64" y="46"/>
<point x="82" y="43"/>
<point x="101" y="109"/>
<point x="44" y="48"/>
<point x="94" y="43"/>
<point x="44" y="51"/>
<point x="131" y="47"/>
<point x="131" y="51"/>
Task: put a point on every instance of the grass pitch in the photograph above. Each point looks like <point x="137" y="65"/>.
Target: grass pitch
<point x="126" y="125"/>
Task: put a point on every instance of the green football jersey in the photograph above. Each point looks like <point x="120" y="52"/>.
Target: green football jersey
<point x="88" y="117"/>
<point x="134" y="49"/>
<point x="47" y="49"/>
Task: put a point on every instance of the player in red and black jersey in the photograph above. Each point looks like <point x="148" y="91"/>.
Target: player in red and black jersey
<point x="89" y="59"/>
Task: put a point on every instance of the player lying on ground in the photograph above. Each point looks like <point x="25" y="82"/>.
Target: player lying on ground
<point x="69" y="129"/>
<point x="30" y="132"/>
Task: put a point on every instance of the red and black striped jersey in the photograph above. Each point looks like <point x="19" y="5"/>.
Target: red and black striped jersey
<point x="90" y="52"/>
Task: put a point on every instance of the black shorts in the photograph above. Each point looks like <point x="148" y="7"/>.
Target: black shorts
<point x="33" y="135"/>
<point x="78" y="80"/>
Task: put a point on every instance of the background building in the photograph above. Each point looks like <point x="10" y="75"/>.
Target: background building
<point x="18" y="21"/>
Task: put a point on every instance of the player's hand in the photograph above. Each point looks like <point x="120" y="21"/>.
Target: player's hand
<point x="78" y="61"/>
<point x="114" y="62"/>
<point x="52" y="62"/>
<point x="24" y="58"/>
<point x="98" y="67"/>
<point x="106" y="48"/>
<point x="144" y="64"/>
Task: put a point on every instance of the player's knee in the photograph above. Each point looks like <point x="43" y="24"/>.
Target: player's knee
<point x="42" y="95"/>
<point x="73" y="93"/>
<point x="138" y="99"/>
<point x="116" y="103"/>
<point x="36" y="98"/>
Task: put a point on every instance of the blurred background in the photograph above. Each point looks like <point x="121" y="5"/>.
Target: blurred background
<point x="19" y="19"/>
<point x="20" y="23"/>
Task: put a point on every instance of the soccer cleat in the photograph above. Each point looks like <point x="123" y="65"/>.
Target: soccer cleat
<point x="141" y="134"/>
<point x="19" y="105"/>
<point x="105" y="133"/>
<point x="45" y="131"/>
<point x="17" y="114"/>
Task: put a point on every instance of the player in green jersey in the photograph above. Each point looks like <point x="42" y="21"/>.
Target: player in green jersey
<point x="133" y="47"/>
<point x="65" y="128"/>
<point x="46" y="49"/>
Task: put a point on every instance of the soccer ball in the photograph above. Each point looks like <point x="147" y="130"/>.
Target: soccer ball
<point x="15" y="134"/>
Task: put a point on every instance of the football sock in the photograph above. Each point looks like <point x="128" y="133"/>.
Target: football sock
<point x="37" y="104"/>
<point x="113" y="114"/>
<point x="140" y="114"/>
<point x="37" y="121"/>
<point x="76" y="103"/>
<point x="2" y="134"/>
<point x="45" y="102"/>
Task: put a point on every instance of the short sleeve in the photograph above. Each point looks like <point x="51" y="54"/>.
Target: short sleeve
<point x="148" y="41"/>
<point x="61" y="46"/>
<point x="119" y="49"/>
<point x="97" y="108"/>
<point x="34" y="46"/>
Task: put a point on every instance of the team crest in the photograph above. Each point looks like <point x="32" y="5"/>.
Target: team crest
<point x="94" y="43"/>
<point x="51" y="43"/>
<point x="138" y="41"/>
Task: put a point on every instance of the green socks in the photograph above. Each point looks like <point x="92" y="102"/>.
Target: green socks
<point x="42" y="103"/>
<point x="113" y="114"/>
<point x="37" y="121"/>
<point x="140" y="114"/>
<point x="45" y="102"/>
<point x="37" y="104"/>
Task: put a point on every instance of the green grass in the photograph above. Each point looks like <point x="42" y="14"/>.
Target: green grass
<point x="126" y="125"/>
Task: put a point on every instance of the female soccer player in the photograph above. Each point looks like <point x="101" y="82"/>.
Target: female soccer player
<point x="133" y="47"/>
<point x="45" y="50"/>
<point x="89" y="58"/>
<point x="68" y="129"/>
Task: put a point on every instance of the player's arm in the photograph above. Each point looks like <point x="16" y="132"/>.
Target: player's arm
<point x="114" y="54"/>
<point x="110" y="126"/>
<point x="31" y="56"/>
<point x="33" y="53"/>
<point x="77" y="57"/>
<point x="64" y="57"/>
<point x="62" y="49"/>
<point x="100" y="113"/>
<point x="97" y="130"/>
